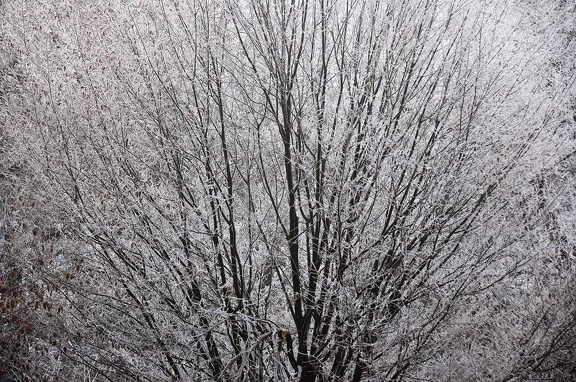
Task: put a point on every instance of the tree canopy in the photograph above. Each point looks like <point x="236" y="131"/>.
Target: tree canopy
<point x="304" y="190"/>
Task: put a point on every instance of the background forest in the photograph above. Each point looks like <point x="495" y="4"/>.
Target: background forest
<point x="287" y="190"/>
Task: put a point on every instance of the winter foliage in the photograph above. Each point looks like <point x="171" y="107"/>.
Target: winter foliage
<point x="304" y="190"/>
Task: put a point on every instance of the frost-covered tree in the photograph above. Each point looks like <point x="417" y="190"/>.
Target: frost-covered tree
<point x="319" y="190"/>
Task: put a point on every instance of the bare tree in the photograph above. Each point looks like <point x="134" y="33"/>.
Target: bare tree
<point x="282" y="190"/>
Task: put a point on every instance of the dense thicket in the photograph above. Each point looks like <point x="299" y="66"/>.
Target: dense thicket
<point x="324" y="190"/>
